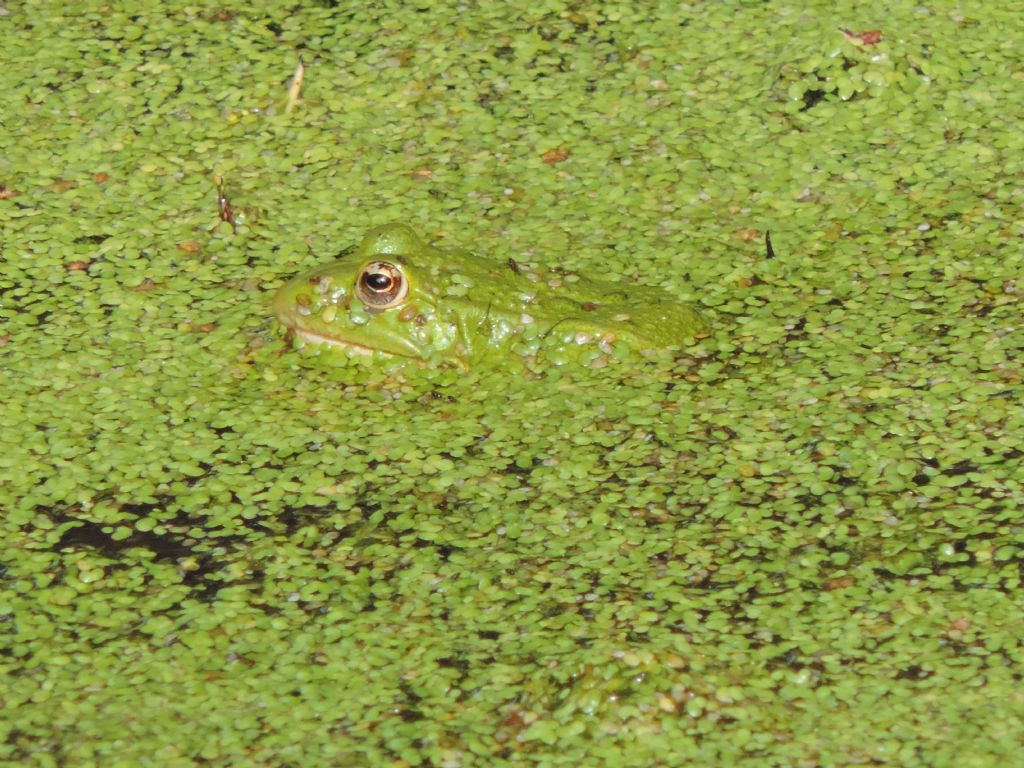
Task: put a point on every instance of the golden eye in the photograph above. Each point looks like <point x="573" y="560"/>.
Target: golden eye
<point x="381" y="286"/>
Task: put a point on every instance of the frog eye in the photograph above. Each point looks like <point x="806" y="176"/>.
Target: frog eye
<point x="381" y="286"/>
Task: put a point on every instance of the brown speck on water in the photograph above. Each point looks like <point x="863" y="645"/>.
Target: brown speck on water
<point x="870" y="38"/>
<point x="555" y="156"/>
<point x="840" y="582"/>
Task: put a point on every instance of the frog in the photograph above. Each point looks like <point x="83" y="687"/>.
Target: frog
<point x="396" y="296"/>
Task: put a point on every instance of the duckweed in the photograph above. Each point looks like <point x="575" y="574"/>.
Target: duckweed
<point x="797" y="542"/>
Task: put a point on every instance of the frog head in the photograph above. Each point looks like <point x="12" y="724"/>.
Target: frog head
<point x="387" y="295"/>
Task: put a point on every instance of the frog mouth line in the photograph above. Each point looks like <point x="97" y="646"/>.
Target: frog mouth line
<point x="316" y="338"/>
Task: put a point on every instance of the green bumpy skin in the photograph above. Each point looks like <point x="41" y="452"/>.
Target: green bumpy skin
<point x="396" y="295"/>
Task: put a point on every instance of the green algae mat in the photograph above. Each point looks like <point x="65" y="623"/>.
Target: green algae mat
<point x="796" y="541"/>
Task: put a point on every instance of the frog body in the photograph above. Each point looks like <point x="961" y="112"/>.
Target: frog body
<point x="396" y="295"/>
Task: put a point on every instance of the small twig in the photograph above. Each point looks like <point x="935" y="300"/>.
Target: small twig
<point x="295" y="87"/>
<point x="769" y="252"/>
<point x="224" y="209"/>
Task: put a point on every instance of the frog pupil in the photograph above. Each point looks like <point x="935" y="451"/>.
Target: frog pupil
<point x="378" y="281"/>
